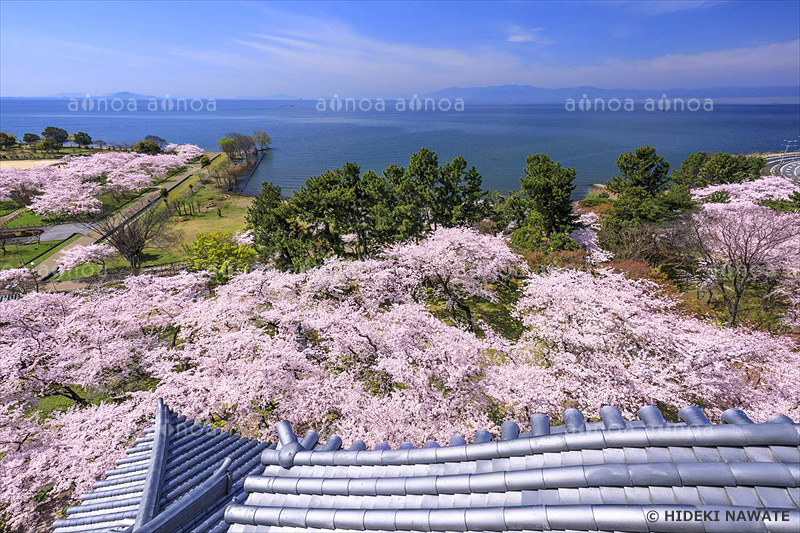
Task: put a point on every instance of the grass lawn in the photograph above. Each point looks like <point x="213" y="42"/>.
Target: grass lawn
<point x="26" y="219"/>
<point x="151" y="257"/>
<point x="17" y="256"/>
<point x="62" y="244"/>
<point x="57" y="404"/>
<point x="177" y="193"/>
<point x="27" y="153"/>
<point x="7" y="207"/>
<point x="232" y="208"/>
<point x="498" y="315"/>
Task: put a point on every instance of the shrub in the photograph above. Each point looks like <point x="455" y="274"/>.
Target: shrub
<point x="147" y="147"/>
<point x="718" y="197"/>
<point x="220" y="254"/>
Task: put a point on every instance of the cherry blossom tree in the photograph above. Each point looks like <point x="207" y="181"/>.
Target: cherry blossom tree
<point x="72" y="186"/>
<point x="185" y="151"/>
<point x="354" y="348"/>
<point x="21" y="280"/>
<point x="458" y="264"/>
<point x="733" y="245"/>
<point x="20" y="186"/>
<point x="730" y="247"/>
<point x="769" y="187"/>
<point x="63" y="454"/>
<point x="130" y="237"/>
<point x="790" y="290"/>
<point x="609" y="340"/>
<point x="96" y="254"/>
<point x="587" y="237"/>
<point x="244" y="238"/>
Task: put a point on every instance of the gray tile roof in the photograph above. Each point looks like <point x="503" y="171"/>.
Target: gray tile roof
<point x="178" y="477"/>
<point x="581" y="476"/>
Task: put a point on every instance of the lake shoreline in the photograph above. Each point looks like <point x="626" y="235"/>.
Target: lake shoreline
<point x="496" y="138"/>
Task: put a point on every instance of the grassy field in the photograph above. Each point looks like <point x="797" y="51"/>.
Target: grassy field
<point x="498" y="315"/>
<point x="193" y="181"/>
<point x="150" y="257"/>
<point x="56" y="404"/>
<point x="17" y="256"/>
<point x="231" y="215"/>
<point x="218" y="210"/>
<point x="26" y="219"/>
<point x="27" y="153"/>
<point x="7" y="207"/>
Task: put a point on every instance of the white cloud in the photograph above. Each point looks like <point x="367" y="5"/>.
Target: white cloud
<point x="331" y="57"/>
<point x="312" y="57"/>
<point x="518" y="34"/>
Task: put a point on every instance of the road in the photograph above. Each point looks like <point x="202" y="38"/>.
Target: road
<point x="786" y="165"/>
<point x="59" y="232"/>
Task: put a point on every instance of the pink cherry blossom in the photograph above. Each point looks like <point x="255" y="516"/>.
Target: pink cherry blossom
<point x="81" y="255"/>
<point x="614" y="341"/>
<point x="769" y="187"/>
<point x="356" y="348"/>
<point x="21" y="280"/>
<point x="587" y="237"/>
<point x="244" y="238"/>
<point x="185" y="151"/>
<point x="72" y="186"/>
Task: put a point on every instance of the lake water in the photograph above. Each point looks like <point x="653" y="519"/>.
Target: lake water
<point x="494" y="137"/>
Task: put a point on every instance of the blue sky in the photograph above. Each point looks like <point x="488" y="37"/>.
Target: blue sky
<point x="248" y="49"/>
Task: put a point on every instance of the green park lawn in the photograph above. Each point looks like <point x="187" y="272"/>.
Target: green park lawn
<point x="231" y="215"/>
<point x="26" y="219"/>
<point x="7" y="207"/>
<point x="17" y="256"/>
<point x="27" y="153"/>
<point x="151" y="257"/>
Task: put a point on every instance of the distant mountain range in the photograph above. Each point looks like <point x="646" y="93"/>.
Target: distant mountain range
<point x="123" y="95"/>
<point x="269" y="97"/>
<point x="530" y="94"/>
<point x="127" y="95"/>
